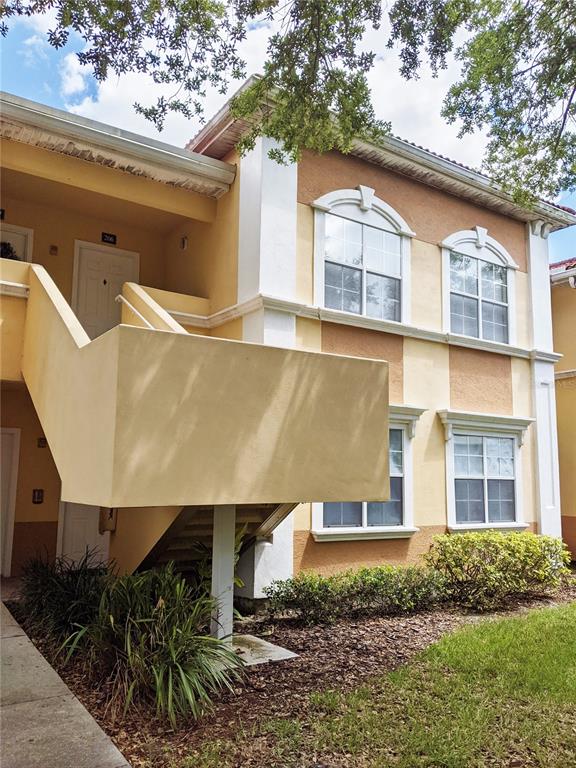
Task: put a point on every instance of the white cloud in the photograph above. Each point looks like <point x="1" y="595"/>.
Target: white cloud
<point x="114" y="99"/>
<point x="73" y="75"/>
<point x="34" y="50"/>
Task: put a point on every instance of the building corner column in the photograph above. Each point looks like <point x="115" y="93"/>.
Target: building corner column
<point x="543" y="389"/>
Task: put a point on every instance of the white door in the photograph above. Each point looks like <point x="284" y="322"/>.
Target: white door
<point x="80" y="532"/>
<point x="9" y="452"/>
<point x="99" y="273"/>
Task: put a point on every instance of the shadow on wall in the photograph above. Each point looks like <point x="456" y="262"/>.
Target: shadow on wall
<point x="141" y="417"/>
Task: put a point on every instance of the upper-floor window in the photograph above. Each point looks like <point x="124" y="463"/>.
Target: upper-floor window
<point x="362" y="255"/>
<point x="479" y="286"/>
<point x="478" y="298"/>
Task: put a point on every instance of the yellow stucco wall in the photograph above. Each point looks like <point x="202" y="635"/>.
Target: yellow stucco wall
<point x="209" y="266"/>
<point x="427" y="385"/>
<point x="564" y="326"/>
<point x="426" y="269"/>
<point x="305" y="254"/>
<point x="141" y="418"/>
<point x="35" y="525"/>
<point x="58" y="228"/>
<point x="137" y="531"/>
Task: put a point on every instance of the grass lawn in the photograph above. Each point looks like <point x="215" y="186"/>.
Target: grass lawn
<point x="498" y="693"/>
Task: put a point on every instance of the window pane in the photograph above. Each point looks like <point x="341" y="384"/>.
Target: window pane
<point x="463" y="315"/>
<point x="396" y="459"/>
<point x="463" y="274"/>
<point x="500" y="456"/>
<point x="343" y="288"/>
<point x="382" y="297"/>
<point x="494" y="282"/>
<point x="469" y="501"/>
<point x="390" y="512"/>
<point x="494" y="322"/>
<point x="468" y="457"/>
<point x="343" y="240"/>
<point x="382" y="251"/>
<point x="501" y="507"/>
<point x="343" y="513"/>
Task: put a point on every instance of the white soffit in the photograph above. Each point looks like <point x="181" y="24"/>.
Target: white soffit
<point x="53" y="129"/>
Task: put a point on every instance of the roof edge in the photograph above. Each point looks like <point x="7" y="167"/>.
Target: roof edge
<point x="559" y="216"/>
<point x="108" y="137"/>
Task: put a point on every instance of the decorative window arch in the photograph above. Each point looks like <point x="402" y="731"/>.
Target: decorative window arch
<point x="478" y="287"/>
<point x="362" y="255"/>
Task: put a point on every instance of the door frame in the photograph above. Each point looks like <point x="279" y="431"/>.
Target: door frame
<point x="8" y="543"/>
<point x="109" y="249"/>
<point x="27" y="232"/>
<point x="62" y="510"/>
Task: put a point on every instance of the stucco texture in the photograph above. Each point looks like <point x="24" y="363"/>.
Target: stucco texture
<point x="363" y="342"/>
<point x="432" y="214"/>
<point x="480" y="381"/>
<point x="333" y="556"/>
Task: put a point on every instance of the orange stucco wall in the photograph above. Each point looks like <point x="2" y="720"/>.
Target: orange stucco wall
<point x="480" y="381"/>
<point x="431" y="213"/>
<point x="362" y="342"/>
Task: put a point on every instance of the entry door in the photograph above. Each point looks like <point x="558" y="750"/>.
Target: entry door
<point x="80" y="532"/>
<point x="9" y="451"/>
<point x="100" y="272"/>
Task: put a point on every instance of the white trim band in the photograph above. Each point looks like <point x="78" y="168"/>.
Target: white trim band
<point x="484" y="422"/>
<point x="362" y="534"/>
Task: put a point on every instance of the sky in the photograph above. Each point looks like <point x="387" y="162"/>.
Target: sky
<point x="31" y="68"/>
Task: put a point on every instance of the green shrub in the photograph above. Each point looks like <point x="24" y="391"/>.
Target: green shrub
<point x="57" y="596"/>
<point x="482" y="569"/>
<point x="149" y="642"/>
<point x="380" y="591"/>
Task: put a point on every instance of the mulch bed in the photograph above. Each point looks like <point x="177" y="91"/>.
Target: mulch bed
<point x="338" y="657"/>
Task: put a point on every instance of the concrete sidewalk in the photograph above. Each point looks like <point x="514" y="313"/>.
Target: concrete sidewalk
<point x="43" y="725"/>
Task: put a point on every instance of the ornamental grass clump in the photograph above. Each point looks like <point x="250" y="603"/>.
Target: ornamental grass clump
<point x="482" y="570"/>
<point x="57" y="596"/>
<point x="380" y="591"/>
<point x="149" y="644"/>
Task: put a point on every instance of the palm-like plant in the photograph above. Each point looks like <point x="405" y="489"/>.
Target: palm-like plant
<point x="150" y="640"/>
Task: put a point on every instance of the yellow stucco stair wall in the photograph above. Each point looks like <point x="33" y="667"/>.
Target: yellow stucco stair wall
<point x="141" y="417"/>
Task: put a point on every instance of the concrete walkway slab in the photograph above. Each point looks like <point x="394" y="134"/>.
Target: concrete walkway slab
<point x="25" y="673"/>
<point x="253" y="650"/>
<point x="9" y="627"/>
<point x="43" y="723"/>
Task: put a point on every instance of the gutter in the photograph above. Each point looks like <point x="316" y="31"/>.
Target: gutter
<point x="31" y="114"/>
<point x="474" y="179"/>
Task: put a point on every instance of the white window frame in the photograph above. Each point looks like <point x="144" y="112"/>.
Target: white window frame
<point x="362" y="206"/>
<point x="404" y="418"/>
<point x="26" y="232"/>
<point x="483" y="425"/>
<point x="477" y="244"/>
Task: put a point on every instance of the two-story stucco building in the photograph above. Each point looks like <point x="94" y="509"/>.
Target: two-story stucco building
<point x="192" y="337"/>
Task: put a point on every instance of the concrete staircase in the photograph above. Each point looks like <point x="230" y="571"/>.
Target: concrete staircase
<point x="190" y="535"/>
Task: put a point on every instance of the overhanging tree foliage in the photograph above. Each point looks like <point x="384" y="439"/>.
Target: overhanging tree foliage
<point x="518" y="68"/>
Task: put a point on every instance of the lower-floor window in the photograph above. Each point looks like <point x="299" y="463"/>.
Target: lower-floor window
<point x="358" y="514"/>
<point x="484" y="479"/>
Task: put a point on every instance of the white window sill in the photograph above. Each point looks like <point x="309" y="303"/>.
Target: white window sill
<point x="463" y="527"/>
<point x="364" y="534"/>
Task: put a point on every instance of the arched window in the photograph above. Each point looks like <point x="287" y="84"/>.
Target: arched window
<point x="478" y="287"/>
<point x="362" y="255"/>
